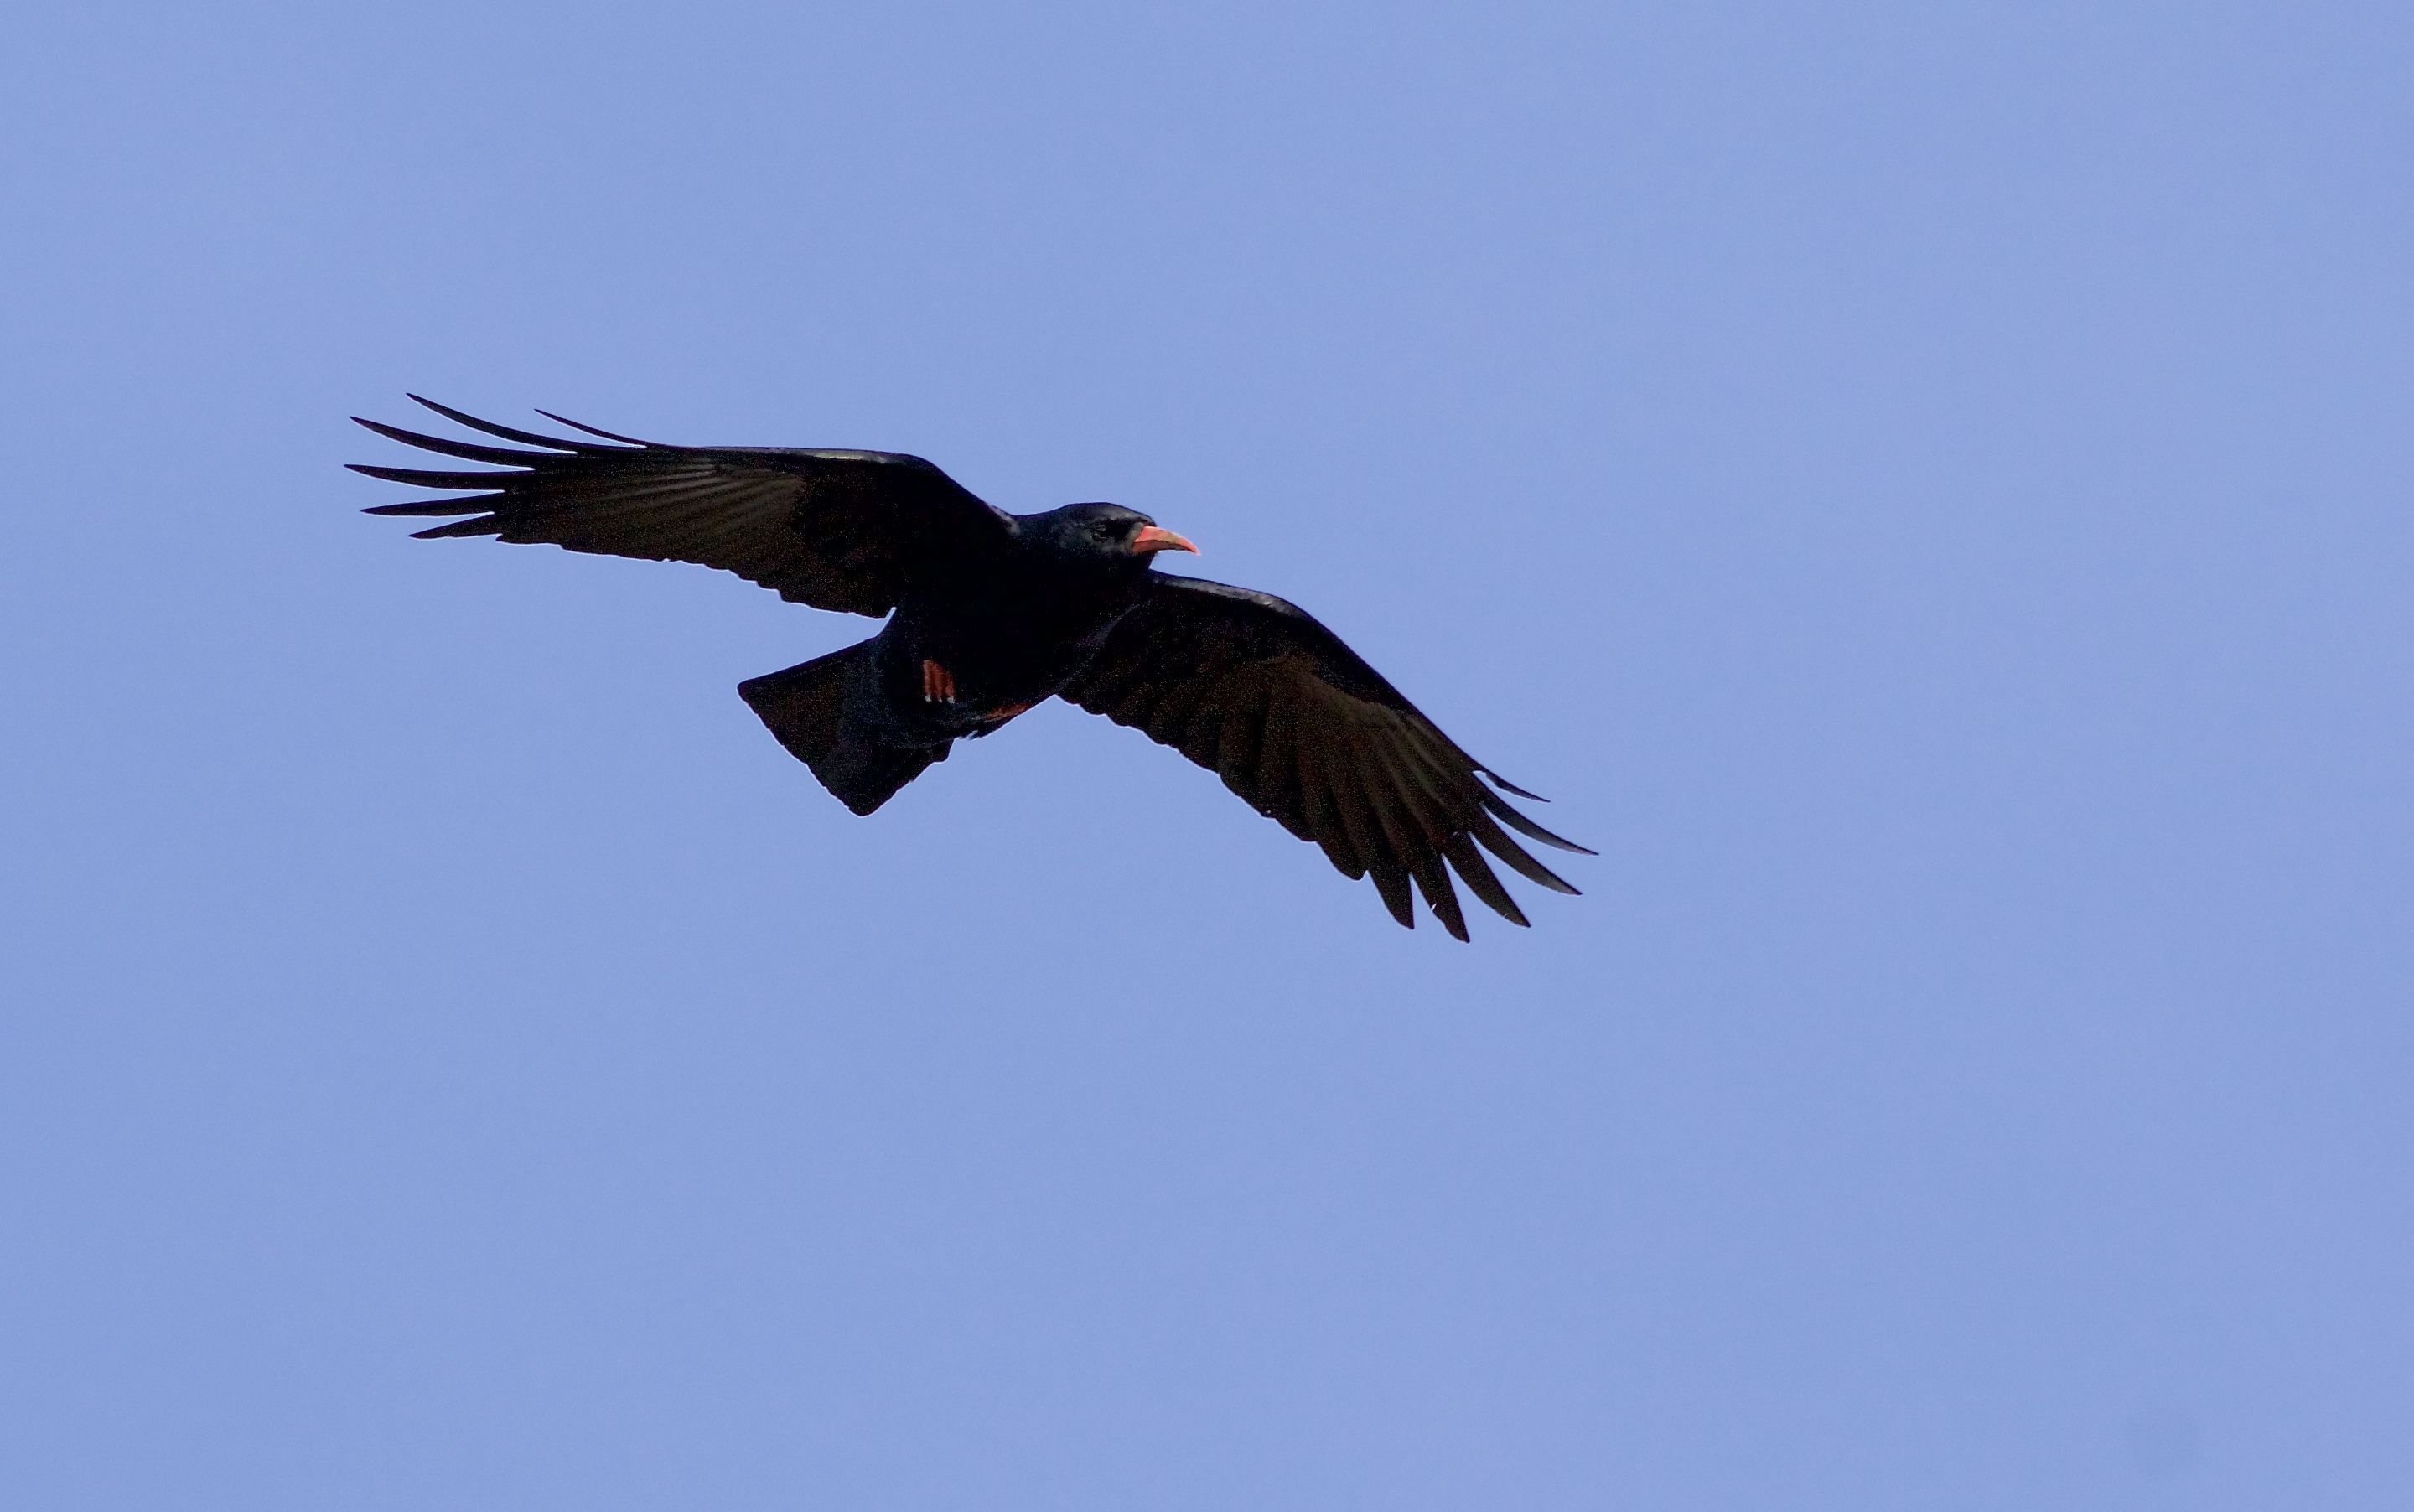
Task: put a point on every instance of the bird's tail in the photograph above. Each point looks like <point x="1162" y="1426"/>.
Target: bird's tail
<point x="806" y="707"/>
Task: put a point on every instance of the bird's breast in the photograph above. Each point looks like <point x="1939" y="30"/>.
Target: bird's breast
<point x="992" y="651"/>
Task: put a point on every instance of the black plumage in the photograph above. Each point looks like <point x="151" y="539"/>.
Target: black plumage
<point x="988" y="614"/>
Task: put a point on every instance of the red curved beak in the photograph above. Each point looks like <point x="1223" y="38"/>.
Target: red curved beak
<point x="1154" y="539"/>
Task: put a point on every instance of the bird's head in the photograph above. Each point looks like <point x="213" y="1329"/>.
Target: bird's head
<point x="1102" y="533"/>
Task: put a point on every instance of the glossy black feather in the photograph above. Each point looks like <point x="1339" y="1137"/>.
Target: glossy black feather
<point x="527" y="437"/>
<point x="1014" y="609"/>
<point x="1306" y="733"/>
<point x="844" y="531"/>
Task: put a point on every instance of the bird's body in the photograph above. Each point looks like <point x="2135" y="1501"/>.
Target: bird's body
<point x="977" y="637"/>
<point x="1011" y="628"/>
<point x="990" y="614"/>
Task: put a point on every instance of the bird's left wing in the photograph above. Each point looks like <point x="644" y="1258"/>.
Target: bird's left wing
<point x="1307" y="733"/>
<point x="844" y="530"/>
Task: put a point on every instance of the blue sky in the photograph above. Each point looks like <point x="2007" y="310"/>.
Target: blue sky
<point x="1924" y="488"/>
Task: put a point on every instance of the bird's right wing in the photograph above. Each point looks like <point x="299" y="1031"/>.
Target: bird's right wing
<point x="1307" y="733"/>
<point x="844" y="531"/>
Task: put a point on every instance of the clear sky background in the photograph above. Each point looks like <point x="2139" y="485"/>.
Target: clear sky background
<point x="1925" y="488"/>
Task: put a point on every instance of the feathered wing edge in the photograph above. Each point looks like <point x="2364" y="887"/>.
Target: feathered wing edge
<point x="528" y="464"/>
<point x="1304" y="731"/>
<point x="836" y="529"/>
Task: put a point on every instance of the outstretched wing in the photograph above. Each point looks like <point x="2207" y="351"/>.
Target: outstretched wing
<point x="843" y="530"/>
<point x="1307" y="733"/>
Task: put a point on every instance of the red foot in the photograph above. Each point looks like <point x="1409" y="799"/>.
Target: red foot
<point x="938" y="683"/>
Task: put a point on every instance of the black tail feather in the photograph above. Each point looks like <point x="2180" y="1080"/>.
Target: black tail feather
<point x="805" y="707"/>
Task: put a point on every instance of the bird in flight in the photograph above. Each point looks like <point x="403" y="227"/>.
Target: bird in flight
<point x="987" y="614"/>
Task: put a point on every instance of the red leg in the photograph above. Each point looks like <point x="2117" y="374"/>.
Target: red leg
<point x="938" y="683"/>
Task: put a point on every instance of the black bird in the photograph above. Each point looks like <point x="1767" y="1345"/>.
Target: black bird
<point x="994" y="612"/>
